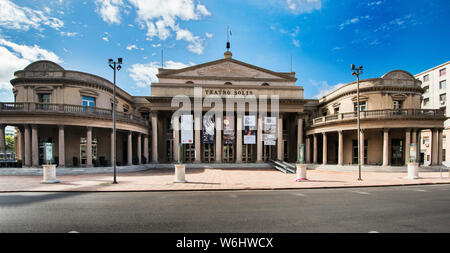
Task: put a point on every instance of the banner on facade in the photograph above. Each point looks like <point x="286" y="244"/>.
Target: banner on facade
<point x="228" y="130"/>
<point x="250" y="129"/>
<point x="187" y="130"/>
<point x="270" y="131"/>
<point x="208" y="129"/>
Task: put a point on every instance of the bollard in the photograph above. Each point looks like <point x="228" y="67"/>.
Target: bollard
<point x="413" y="171"/>
<point x="180" y="173"/>
<point x="301" y="172"/>
<point x="49" y="174"/>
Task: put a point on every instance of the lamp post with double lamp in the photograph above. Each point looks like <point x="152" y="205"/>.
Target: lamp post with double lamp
<point x="115" y="66"/>
<point x="356" y="71"/>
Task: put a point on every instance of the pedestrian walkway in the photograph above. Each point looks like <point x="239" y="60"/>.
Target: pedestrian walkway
<point x="215" y="179"/>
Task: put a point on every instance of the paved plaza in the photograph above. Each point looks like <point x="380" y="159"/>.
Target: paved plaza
<point x="215" y="179"/>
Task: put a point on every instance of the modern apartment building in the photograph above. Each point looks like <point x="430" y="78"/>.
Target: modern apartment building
<point x="434" y="82"/>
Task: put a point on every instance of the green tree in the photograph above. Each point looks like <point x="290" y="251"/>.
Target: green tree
<point x="10" y="144"/>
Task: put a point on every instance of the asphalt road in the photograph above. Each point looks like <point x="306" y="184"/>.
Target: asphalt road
<point x="362" y="210"/>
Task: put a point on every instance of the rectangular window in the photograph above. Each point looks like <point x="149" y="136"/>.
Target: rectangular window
<point x="442" y="98"/>
<point x="444" y="110"/>
<point x="88" y="102"/>
<point x="442" y="84"/>
<point x="426" y="102"/>
<point x="362" y="106"/>
<point x="426" y="140"/>
<point x="397" y="104"/>
<point x="443" y="155"/>
<point x="426" y="89"/>
<point x="426" y="78"/>
<point x="336" y="110"/>
<point x="442" y="72"/>
<point x="44" y="98"/>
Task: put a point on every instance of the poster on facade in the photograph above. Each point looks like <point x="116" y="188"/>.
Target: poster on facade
<point x="208" y="129"/>
<point x="187" y="131"/>
<point x="250" y="129"/>
<point x="270" y="131"/>
<point x="228" y="130"/>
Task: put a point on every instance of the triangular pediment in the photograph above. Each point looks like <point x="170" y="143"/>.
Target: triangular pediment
<point x="225" y="68"/>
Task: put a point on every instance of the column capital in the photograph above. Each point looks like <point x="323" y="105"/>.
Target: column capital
<point x="34" y="126"/>
<point x="89" y="128"/>
<point x="324" y="133"/>
<point x="386" y="129"/>
<point x="61" y="126"/>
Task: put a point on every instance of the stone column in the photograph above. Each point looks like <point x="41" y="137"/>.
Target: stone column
<point x="198" y="139"/>
<point x="22" y="145"/>
<point x="259" y="140"/>
<point x="308" y="150"/>
<point x="325" y="149"/>
<point x="89" y="147"/>
<point x="154" y="119"/>
<point x="34" y="146"/>
<point x="280" y="144"/>
<point x="2" y="140"/>
<point x="385" y="147"/>
<point x="407" y="143"/>
<point x="130" y="148"/>
<point x="61" y="147"/>
<point x="440" y="151"/>
<point x="299" y="135"/>
<point x="112" y="155"/>
<point x="176" y="137"/>
<point x="239" y="138"/>
<point x="219" y="125"/>
<point x="139" y="148"/>
<point x="434" y="147"/>
<point x="361" y="138"/>
<point x="315" y="149"/>
<point x="27" y="144"/>
<point x="341" y="148"/>
<point x="146" y="148"/>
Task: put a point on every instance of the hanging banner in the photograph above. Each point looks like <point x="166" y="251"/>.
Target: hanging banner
<point x="228" y="130"/>
<point x="208" y="129"/>
<point x="270" y="131"/>
<point x="250" y="129"/>
<point x="187" y="131"/>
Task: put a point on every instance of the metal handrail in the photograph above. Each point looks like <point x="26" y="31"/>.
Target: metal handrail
<point x="385" y="113"/>
<point x="71" y="109"/>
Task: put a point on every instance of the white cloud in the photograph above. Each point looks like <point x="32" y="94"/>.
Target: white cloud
<point x="304" y="6"/>
<point x="324" y="88"/>
<point x="16" y="57"/>
<point x="13" y="16"/>
<point x="354" y="20"/>
<point x="296" y="43"/>
<point x="145" y="74"/>
<point x="337" y="48"/>
<point x="161" y="22"/>
<point x="109" y="10"/>
<point x="209" y="35"/>
<point x="374" y="3"/>
<point x="131" y="47"/>
<point x="105" y="39"/>
<point x="69" y="34"/>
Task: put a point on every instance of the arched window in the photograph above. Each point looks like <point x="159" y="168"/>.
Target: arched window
<point x="228" y="83"/>
<point x="264" y="84"/>
<point x="189" y="82"/>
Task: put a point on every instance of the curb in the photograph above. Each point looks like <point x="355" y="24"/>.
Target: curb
<point x="242" y="189"/>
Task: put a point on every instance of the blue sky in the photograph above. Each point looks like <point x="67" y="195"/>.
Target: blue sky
<point x="323" y="36"/>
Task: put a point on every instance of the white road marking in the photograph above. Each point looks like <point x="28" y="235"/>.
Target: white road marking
<point x="233" y="195"/>
<point x="299" y="194"/>
<point x="73" y="232"/>
<point x="418" y="190"/>
<point x="360" y="192"/>
<point x="373" y="232"/>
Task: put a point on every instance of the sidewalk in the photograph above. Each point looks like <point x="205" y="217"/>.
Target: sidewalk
<point x="215" y="179"/>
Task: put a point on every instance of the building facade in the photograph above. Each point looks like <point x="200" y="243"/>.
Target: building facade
<point x="224" y="111"/>
<point x="434" y="83"/>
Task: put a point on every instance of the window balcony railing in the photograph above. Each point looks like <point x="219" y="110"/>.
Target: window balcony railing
<point x="76" y="110"/>
<point x="380" y="114"/>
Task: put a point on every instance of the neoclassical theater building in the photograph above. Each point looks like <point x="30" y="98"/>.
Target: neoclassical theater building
<point x="73" y="110"/>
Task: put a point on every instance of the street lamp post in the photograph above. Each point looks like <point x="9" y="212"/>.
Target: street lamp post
<point x="115" y="66"/>
<point x="356" y="72"/>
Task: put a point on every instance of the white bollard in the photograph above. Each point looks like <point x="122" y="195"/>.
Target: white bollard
<point x="180" y="173"/>
<point x="301" y="171"/>
<point x="49" y="174"/>
<point x="413" y="171"/>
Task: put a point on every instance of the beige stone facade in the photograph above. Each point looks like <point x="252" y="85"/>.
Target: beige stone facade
<point x="73" y="110"/>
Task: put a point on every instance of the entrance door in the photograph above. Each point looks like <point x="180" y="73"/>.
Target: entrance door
<point x="228" y="153"/>
<point x="247" y="153"/>
<point x="269" y="152"/>
<point x="397" y="152"/>
<point x="355" y="151"/>
<point x="208" y="153"/>
<point x="189" y="153"/>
